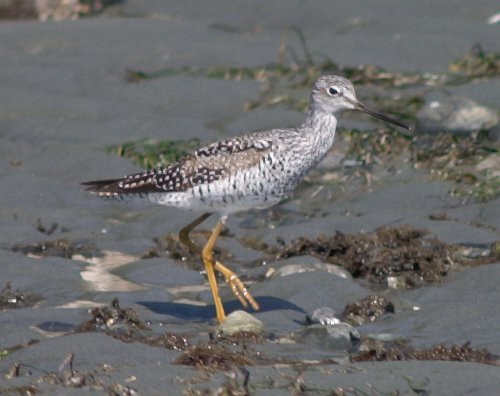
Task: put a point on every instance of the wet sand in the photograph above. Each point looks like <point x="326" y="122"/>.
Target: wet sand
<point x="65" y="100"/>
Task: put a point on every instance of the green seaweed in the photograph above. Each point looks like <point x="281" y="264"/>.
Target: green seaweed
<point x="477" y="63"/>
<point x="458" y="159"/>
<point x="470" y="163"/>
<point x="150" y="153"/>
<point x="287" y="83"/>
<point x="302" y="71"/>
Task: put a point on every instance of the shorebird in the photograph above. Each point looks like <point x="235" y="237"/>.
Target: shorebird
<point x="256" y="170"/>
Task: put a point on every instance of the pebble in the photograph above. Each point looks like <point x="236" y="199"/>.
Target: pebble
<point x="239" y="321"/>
<point x="325" y="316"/>
<point x="396" y="282"/>
<point x="292" y="269"/>
<point x="340" y="336"/>
<point x="455" y="114"/>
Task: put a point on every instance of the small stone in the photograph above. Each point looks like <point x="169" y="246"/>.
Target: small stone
<point x="491" y="164"/>
<point x="292" y="269"/>
<point x="396" y="282"/>
<point x="239" y="321"/>
<point x="455" y="114"/>
<point x="351" y="163"/>
<point x="325" y="316"/>
<point x="332" y="161"/>
<point x="343" y="331"/>
<point x="472" y="252"/>
<point x="341" y="336"/>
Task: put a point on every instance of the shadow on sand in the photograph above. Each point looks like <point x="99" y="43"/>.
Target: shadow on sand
<point x="207" y="312"/>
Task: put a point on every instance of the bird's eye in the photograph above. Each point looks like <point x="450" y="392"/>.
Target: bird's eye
<point x="332" y="91"/>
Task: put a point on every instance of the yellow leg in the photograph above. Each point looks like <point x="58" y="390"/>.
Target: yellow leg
<point x="234" y="282"/>
<point x="208" y="261"/>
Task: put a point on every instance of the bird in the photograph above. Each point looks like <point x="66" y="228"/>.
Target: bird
<point x="251" y="171"/>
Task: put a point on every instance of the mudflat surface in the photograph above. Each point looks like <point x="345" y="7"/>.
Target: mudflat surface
<point x="67" y="96"/>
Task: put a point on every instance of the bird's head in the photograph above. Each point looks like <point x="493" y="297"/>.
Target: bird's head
<point x="332" y="94"/>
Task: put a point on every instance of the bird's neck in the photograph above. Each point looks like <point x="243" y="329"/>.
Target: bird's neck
<point x="321" y="127"/>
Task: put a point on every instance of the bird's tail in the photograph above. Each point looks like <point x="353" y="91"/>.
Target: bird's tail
<point x="135" y="186"/>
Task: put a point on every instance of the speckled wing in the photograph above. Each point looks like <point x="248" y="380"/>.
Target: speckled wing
<point x="204" y="166"/>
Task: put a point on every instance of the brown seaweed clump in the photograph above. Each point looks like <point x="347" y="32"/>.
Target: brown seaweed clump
<point x="242" y="338"/>
<point x="388" y="252"/>
<point x="10" y="298"/>
<point x="169" y="341"/>
<point x="367" y="310"/>
<point x="58" y="248"/>
<point x="214" y="357"/>
<point x="122" y="323"/>
<point x="125" y="325"/>
<point x="398" y="350"/>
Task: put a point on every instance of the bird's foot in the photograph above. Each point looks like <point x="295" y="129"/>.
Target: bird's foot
<point x="237" y="286"/>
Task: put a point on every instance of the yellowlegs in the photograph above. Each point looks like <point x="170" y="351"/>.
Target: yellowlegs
<point x="255" y="170"/>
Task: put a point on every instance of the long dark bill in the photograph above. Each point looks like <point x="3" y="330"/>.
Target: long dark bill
<point x="383" y="117"/>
